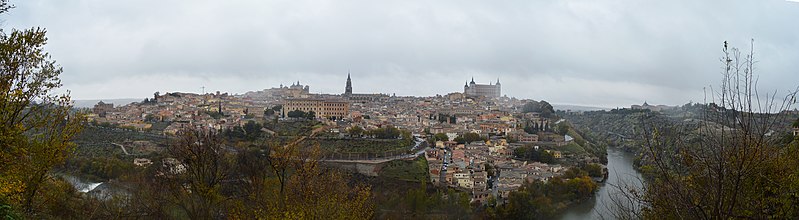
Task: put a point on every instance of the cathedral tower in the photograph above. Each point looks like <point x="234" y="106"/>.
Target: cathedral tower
<point x="348" y="89"/>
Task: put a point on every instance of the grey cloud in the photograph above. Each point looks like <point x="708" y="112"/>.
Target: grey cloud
<point x="540" y="49"/>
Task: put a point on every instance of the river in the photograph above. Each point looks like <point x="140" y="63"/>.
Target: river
<point x="80" y="184"/>
<point x="620" y="171"/>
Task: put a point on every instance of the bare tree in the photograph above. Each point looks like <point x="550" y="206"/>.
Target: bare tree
<point x="728" y="165"/>
<point x="196" y="183"/>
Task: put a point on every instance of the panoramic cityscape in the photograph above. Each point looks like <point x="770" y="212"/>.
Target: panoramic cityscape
<point x="399" y="110"/>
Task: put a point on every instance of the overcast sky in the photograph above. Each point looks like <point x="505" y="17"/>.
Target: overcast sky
<point x="594" y="52"/>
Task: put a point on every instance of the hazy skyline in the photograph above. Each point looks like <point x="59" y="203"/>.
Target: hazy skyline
<point x="599" y="53"/>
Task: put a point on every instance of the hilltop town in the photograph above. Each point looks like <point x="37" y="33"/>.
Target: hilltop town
<point x="476" y="140"/>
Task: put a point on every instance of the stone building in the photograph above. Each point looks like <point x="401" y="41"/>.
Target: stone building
<point x="101" y="108"/>
<point x="327" y="108"/>
<point x="473" y="90"/>
<point x="296" y="90"/>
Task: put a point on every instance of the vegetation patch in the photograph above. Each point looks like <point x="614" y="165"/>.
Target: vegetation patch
<point x="573" y="148"/>
<point x="409" y="170"/>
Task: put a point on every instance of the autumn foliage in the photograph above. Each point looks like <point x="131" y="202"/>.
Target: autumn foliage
<point x="35" y="125"/>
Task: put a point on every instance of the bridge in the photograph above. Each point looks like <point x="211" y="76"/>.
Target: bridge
<point x="372" y="166"/>
<point x="369" y="167"/>
<point x="378" y="159"/>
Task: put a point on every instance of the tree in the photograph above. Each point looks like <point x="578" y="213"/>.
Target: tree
<point x="297" y="186"/>
<point x="724" y="167"/>
<point x="198" y="190"/>
<point x="296" y="114"/>
<point x="511" y="139"/>
<point x="442" y="117"/>
<point x="546" y="157"/>
<point x="35" y="126"/>
<point x="440" y="137"/>
<point x="546" y="109"/>
<point x="355" y="131"/>
<point x="562" y="128"/>
<point x="522" y="152"/>
<point x="528" y="153"/>
<point x="460" y="140"/>
<point x="542" y="107"/>
<point x="471" y="137"/>
<point x="407" y="137"/>
<point x="252" y="130"/>
<point x="532" y="106"/>
<point x="594" y="170"/>
<point x="388" y="132"/>
<point x="489" y="170"/>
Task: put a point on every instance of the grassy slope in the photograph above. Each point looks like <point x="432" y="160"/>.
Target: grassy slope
<point x="415" y="170"/>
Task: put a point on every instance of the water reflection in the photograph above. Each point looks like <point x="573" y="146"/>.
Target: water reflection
<point x="620" y="173"/>
<point x="80" y="185"/>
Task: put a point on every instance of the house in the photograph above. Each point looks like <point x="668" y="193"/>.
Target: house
<point x="467" y="182"/>
<point x="493" y="150"/>
<point x="451" y="135"/>
<point x="142" y="162"/>
<point x="556" y="154"/>
<point x="462" y="175"/>
<point x="448" y="177"/>
<point x="435" y="174"/>
<point x="524" y="137"/>
<point x="480" y="195"/>
<point x="102" y="108"/>
<point x="480" y="180"/>
<point x="174" y="166"/>
<point x="464" y="180"/>
<point x="527" y="138"/>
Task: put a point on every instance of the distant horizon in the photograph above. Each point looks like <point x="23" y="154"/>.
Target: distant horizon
<point x="128" y="100"/>
<point x="209" y="90"/>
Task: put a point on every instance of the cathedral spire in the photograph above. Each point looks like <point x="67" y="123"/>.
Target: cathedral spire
<point x="498" y="81"/>
<point x="348" y="88"/>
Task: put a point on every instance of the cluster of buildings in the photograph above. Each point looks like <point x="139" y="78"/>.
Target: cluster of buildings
<point x="484" y="168"/>
<point x="180" y="110"/>
<point x="654" y="108"/>
<point x="479" y="109"/>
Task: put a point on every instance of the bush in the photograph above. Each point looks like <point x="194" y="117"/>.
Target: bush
<point x="594" y="170"/>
